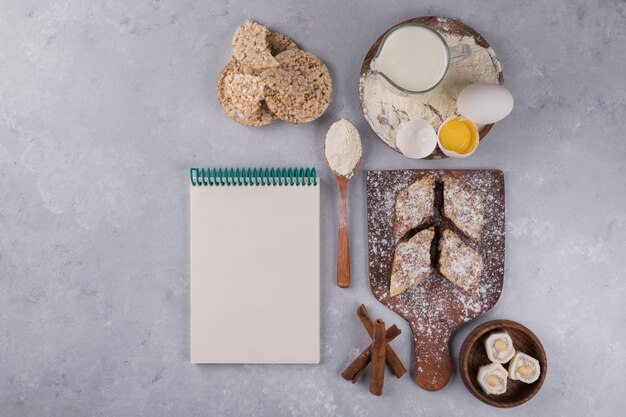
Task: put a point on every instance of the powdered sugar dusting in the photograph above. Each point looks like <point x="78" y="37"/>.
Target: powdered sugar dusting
<point x="464" y="207"/>
<point x="411" y="264"/>
<point x="414" y="205"/>
<point x="460" y="263"/>
<point x="436" y="307"/>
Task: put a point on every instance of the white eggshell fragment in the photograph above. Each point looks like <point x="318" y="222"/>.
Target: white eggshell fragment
<point x="484" y="103"/>
<point x="416" y="139"/>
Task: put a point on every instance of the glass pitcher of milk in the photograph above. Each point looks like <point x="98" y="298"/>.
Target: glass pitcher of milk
<point x="414" y="58"/>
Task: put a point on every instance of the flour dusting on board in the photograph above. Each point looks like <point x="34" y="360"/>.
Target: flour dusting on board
<point x="436" y="307"/>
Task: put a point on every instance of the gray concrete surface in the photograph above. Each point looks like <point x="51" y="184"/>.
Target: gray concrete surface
<point x="105" y="104"/>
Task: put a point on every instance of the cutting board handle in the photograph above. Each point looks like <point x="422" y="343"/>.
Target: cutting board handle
<point x="432" y="364"/>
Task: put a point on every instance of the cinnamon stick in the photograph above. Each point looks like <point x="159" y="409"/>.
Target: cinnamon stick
<point x="356" y="376"/>
<point x="392" y="359"/>
<point x="377" y="375"/>
<point x="353" y="370"/>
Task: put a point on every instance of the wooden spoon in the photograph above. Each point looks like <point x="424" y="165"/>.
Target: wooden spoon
<point x="343" y="178"/>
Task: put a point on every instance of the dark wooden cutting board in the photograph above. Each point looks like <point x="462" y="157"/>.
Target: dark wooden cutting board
<point x="435" y="308"/>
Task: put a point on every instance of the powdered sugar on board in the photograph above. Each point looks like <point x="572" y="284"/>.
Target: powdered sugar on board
<point x="436" y="307"/>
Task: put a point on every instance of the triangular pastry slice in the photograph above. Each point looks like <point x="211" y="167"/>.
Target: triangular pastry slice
<point x="462" y="265"/>
<point x="463" y="206"/>
<point x="411" y="262"/>
<point x="414" y="205"/>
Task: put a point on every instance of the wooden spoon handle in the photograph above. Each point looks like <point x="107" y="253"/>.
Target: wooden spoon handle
<point x="343" y="250"/>
<point x="432" y="364"/>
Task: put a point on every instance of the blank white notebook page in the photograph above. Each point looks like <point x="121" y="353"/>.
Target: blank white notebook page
<point x="254" y="287"/>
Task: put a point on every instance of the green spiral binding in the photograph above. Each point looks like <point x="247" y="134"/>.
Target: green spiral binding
<point x="235" y="177"/>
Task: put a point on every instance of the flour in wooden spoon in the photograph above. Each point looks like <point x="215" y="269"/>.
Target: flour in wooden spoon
<point x="343" y="147"/>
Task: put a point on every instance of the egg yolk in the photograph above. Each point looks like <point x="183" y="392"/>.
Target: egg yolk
<point x="456" y="136"/>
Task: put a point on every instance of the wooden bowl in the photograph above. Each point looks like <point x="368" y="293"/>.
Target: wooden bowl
<point x="473" y="356"/>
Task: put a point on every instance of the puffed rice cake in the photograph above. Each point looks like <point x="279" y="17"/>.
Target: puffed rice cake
<point x="251" y="46"/>
<point x="280" y="43"/>
<point x="241" y="94"/>
<point x="300" y="89"/>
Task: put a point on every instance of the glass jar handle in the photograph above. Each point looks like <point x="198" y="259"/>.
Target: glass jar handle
<point x="459" y="52"/>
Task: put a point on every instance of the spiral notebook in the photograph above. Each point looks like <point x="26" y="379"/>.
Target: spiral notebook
<point x="254" y="248"/>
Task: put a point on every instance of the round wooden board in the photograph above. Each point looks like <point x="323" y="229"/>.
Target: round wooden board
<point x="443" y="25"/>
<point x="473" y="356"/>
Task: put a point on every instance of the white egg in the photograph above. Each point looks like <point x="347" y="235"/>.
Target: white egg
<point x="484" y="103"/>
<point x="416" y="139"/>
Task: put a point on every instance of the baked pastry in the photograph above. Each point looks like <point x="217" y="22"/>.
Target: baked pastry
<point x="414" y="205"/>
<point x="459" y="263"/>
<point x="463" y="206"/>
<point x="411" y="262"/>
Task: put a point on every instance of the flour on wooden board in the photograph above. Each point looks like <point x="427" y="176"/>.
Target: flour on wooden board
<point x="429" y="305"/>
